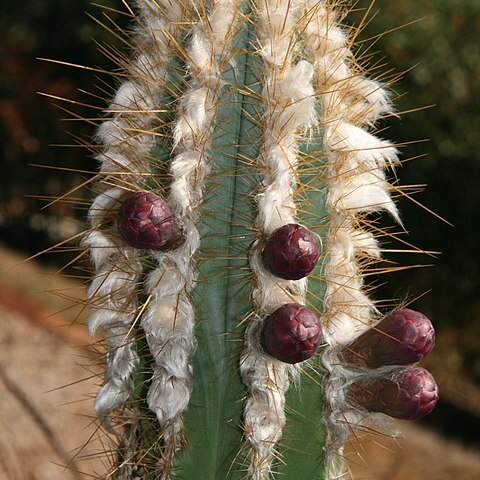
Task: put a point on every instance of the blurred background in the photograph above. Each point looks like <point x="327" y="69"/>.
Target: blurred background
<point x="41" y="349"/>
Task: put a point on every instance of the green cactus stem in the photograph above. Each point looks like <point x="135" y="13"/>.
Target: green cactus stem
<point x="243" y="116"/>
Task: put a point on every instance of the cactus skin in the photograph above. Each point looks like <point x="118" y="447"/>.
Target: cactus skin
<point x="241" y="135"/>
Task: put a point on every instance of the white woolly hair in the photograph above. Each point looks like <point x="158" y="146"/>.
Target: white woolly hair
<point x="169" y="320"/>
<point x="289" y="108"/>
<point x="350" y="104"/>
<point x="125" y="140"/>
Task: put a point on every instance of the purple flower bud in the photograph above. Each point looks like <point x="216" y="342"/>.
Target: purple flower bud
<point x="401" y="338"/>
<point x="408" y="393"/>
<point x="292" y="333"/>
<point x="291" y="252"/>
<point x="145" y="220"/>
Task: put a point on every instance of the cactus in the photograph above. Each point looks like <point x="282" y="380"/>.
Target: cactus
<point x="238" y="149"/>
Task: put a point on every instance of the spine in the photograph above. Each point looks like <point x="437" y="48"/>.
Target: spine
<point x="356" y="183"/>
<point x="126" y="139"/>
<point x="288" y="107"/>
<point x="169" y="320"/>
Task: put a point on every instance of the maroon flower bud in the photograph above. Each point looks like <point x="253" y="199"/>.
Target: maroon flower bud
<point x="401" y="338"/>
<point x="291" y="252"/>
<point x="145" y="220"/>
<point x="292" y="333"/>
<point x="408" y="393"/>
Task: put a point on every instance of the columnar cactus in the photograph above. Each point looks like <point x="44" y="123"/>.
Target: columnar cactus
<point x="229" y="240"/>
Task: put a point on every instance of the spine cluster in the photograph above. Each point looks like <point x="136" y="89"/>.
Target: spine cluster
<point x="289" y="106"/>
<point x="169" y="320"/>
<point x="167" y="316"/>
<point x="350" y="105"/>
<point x="125" y="140"/>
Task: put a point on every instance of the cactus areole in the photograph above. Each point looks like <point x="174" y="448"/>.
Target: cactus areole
<point x="255" y="122"/>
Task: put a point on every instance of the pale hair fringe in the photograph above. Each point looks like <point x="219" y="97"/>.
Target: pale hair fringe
<point x="288" y="109"/>
<point x="350" y="105"/>
<point x="124" y="163"/>
<point x="169" y="320"/>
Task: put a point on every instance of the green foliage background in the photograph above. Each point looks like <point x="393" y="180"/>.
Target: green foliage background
<point x="442" y="44"/>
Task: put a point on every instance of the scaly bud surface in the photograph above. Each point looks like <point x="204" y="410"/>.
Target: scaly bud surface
<point x="401" y="338"/>
<point x="408" y="394"/>
<point x="292" y="333"/>
<point x="291" y="252"/>
<point x="146" y="221"/>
